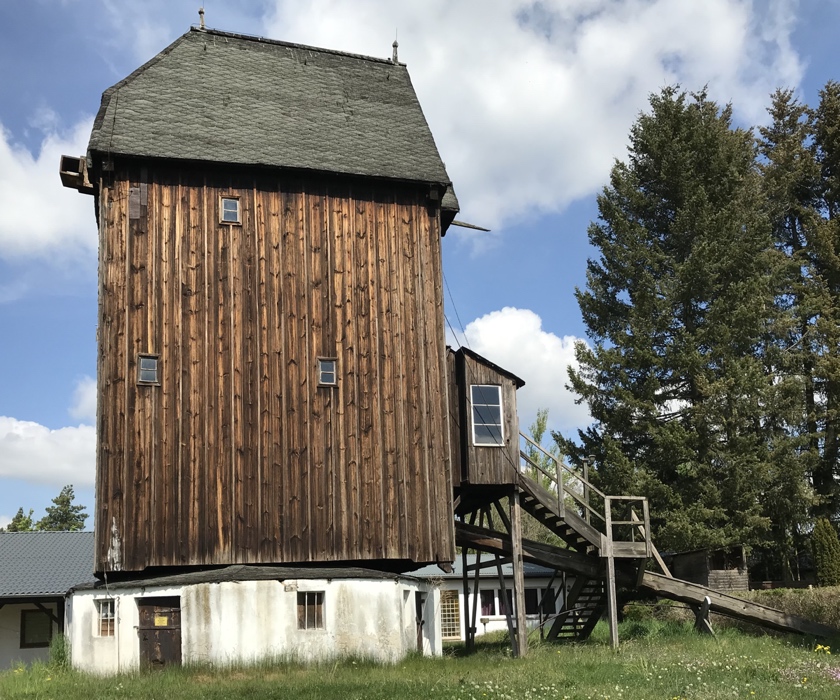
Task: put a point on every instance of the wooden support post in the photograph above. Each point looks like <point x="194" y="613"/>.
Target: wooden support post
<point x="476" y="594"/>
<point x="612" y="604"/>
<point x="702" y="623"/>
<point x="506" y="604"/>
<point x="469" y="633"/>
<point x="521" y="648"/>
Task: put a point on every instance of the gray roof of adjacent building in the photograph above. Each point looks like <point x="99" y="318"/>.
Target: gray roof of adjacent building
<point x="432" y="571"/>
<point x="236" y="99"/>
<point x="39" y="564"/>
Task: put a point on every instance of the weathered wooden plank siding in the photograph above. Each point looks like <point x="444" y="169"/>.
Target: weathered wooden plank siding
<point x="239" y="456"/>
<point x="489" y="465"/>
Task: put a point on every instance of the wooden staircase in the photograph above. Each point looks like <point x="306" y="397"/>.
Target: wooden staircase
<point x="589" y="598"/>
<point x="606" y="540"/>
<point x="584" y="605"/>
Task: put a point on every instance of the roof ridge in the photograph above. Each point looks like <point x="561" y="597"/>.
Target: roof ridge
<point x="290" y="44"/>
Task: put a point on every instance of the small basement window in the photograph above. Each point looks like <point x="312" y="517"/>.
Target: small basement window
<point x="230" y="210"/>
<point x="310" y="610"/>
<point x="35" y="629"/>
<point x="148" y="369"/>
<point x="486" y="400"/>
<point x="327" y="371"/>
<point x="106" y="609"/>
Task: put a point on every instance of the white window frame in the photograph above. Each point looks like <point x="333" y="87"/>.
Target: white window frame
<point x="450" y="614"/>
<point x="501" y="424"/>
<point x="106" y="610"/>
<point x="222" y="211"/>
<point x="322" y="371"/>
<point x="148" y="356"/>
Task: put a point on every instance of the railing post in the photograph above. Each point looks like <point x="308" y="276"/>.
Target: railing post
<point x="612" y="604"/>
<point x="586" y="488"/>
<point x="561" y="496"/>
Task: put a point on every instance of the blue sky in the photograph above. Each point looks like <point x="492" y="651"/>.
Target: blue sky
<point x="529" y="102"/>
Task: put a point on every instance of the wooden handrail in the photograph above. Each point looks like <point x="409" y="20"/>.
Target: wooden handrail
<point x="567" y="468"/>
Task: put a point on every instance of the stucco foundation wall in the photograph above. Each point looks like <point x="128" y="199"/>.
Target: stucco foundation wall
<point x="10" y="651"/>
<point x="107" y="655"/>
<point x="247" y="621"/>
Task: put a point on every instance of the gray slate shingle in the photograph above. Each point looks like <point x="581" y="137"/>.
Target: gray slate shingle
<point x="44" y="563"/>
<point x="215" y="96"/>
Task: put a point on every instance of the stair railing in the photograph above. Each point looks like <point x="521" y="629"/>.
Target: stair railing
<point x="564" y="481"/>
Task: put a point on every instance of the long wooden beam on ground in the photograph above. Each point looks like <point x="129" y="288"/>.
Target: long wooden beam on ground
<point x="534" y="552"/>
<point x="693" y="594"/>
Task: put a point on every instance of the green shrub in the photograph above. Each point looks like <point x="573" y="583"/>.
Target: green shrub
<point x="820" y="604"/>
<point x="826" y="553"/>
<point x="59" y="652"/>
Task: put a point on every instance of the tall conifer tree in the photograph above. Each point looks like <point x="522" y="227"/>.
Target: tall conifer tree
<point x="677" y="306"/>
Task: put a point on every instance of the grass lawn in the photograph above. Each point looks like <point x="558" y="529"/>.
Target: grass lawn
<point x="656" y="660"/>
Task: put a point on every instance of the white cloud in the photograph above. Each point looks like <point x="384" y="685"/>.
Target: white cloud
<point x="40" y="217"/>
<point x="34" y="453"/>
<point x="515" y="340"/>
<point x="5" y="520"/>
<point x="530" y="102"/>
<point x="83" y="407"/>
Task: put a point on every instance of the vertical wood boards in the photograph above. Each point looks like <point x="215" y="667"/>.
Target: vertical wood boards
<point x="239" y="455"/>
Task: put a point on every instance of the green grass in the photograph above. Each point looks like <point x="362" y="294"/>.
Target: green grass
<point x="656" y="660"/>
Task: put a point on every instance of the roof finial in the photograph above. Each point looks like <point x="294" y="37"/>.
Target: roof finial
<point x="395" y="58"/>
<point x="201" y="17"/>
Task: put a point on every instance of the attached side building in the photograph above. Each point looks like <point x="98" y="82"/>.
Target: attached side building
<point x="272" y="367"/>
<point x="36" y="570"/>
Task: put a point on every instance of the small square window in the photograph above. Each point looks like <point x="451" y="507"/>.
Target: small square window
<point x="148" y="369"/>
<point x="310" y="610"/>
<point x="327" y="371"/>
<point x="230" y="210"/>
<point x="35" y="629"/>
<point x="106" y="617"/>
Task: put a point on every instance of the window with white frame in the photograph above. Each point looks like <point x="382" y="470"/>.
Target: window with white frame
<point x="229" y="210"/>
<point x="327" y="371"/>
<point x="488" y="602"/>
<point x="486" y="401"/>
<point x="148" y="369"/>
<point x="450" y="615"/>
<point x="310" y="610"/>
<point x="106" y="617"/>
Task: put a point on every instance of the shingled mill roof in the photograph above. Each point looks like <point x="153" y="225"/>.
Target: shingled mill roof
<point x="229" y="98"/>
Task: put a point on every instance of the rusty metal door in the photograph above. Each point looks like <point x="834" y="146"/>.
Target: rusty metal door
<point x="159" y="632"/>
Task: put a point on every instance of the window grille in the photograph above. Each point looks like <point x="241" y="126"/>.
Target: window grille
<point x="106" y="617"/>
<point x="310" y="610"/>
<point x="450" y="615"/>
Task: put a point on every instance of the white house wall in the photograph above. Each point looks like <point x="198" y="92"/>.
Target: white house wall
<point x="485" y="624"/>
<point x="10" y="651"/>
<point x="241" y="622"/>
